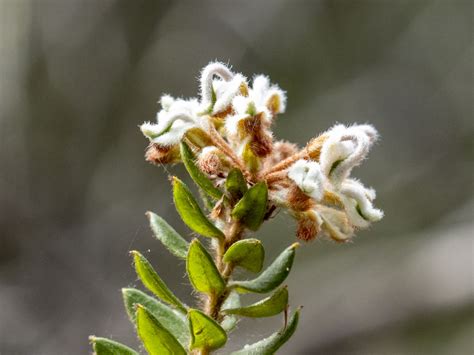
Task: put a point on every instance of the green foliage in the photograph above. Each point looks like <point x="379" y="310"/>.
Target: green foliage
<point x="235" y="184"/>
<point x="267" y="307"/>
<point x="202" y="271"/>
<point x="172" y="320"/>
<point x="205" y="332"/>
<point x="153" y="282"/>
<point x="197" y="175"/>
<point x="271" y="344"/>
<point x="191" y="213"/>
<point x="176" y="244"/>
<point x="230" y="321"/>
<point x="173" y="328"/>
<point x="251" y="209"/>
<point x="103" y="346"/>
<point x="156" y="338"/>
<point x="272" y="277"/>
<point x="247" y="253"/>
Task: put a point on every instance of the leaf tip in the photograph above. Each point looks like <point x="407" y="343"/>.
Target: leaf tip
<point x="295" y="245"/>
<point x="134" y="253"/>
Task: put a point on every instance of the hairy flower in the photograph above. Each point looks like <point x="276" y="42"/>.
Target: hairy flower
<point x="230" y="127"/>
<point x="173" y="121"/>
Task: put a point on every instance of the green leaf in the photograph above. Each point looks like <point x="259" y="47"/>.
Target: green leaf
<point x="272" y="277"/>
<point x="246" y="253"/>
<point x="202" y="271"/>
<point x="251" y="209"/>
<point x="267" y="307"/>
<point x="205" y="332"/>
<point x="235" y="184"/>
<point x="191" y="213"/>
<point x="103" y="346"/>
<point x="156" y="338"/>
<point x="176" y="244"/>
<point x="196" y="174"/>
<point x="230" y="321"/>
<point x="172" y="320"/>
<point x="153" y="282"/>
<point x="274" y="342"/>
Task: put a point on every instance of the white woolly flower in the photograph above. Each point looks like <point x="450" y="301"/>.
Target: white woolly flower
<point x="357" y="200"/>
<point x="173" y="121"/>
<point x="308" y="177"/>
<point x="267" y="97"/>
<point x="344" y="149"/>
<point x="217" y="94"/>
<point x="262" y="99"/>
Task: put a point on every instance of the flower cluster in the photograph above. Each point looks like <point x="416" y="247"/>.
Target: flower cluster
<point x="229" y="126"/>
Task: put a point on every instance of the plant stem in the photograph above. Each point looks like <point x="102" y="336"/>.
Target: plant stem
<point x="234" y="232"/>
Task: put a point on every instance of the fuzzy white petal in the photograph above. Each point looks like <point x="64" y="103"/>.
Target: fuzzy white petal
<point x="229" y="90"/>
<point x="166" y="102"/>
<point x="260" y="86"/>
<point x="174" y="135"/>
<point x="207" y="78"/>
<point x="343" y="150"/>
<point x="357" y="201"/>
<point x="308" y="177"/>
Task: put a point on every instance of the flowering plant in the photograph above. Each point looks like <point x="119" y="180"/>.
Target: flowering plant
<point x="225" y="141"/>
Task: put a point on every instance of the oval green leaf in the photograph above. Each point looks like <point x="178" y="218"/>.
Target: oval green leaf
<point x="246" y="253"/>
<point x="191" y="213"/>
<point x="153" y="282"/>
<point x="251" y="209"/>
<point x="166" y="234"/>
<point x="267" y="307"/>
<point x="272" y="277"/>
<point x="230" y="321"/>
<point x="103" y="346"/>
<point x="270" y="345"/>
<point x="156" y="338"/>
<point x="205" y="332"/>
<point x="235" y="184"/>
<point x="172" y="320"/>
<point x="196" y="174"/>
<point x="202" y="271"/>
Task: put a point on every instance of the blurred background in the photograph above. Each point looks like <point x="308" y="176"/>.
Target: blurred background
<point x="78" y="77"/>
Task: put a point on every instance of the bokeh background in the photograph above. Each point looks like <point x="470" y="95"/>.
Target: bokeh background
<point x="78" y="77"/>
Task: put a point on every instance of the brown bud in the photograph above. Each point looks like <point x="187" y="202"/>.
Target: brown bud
<point x="209" y="161"/>
<point x="158" y="155"/>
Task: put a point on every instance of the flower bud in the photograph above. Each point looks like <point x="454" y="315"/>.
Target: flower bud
<point x="158" y="155"/>
<point x="209" y="161"/>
